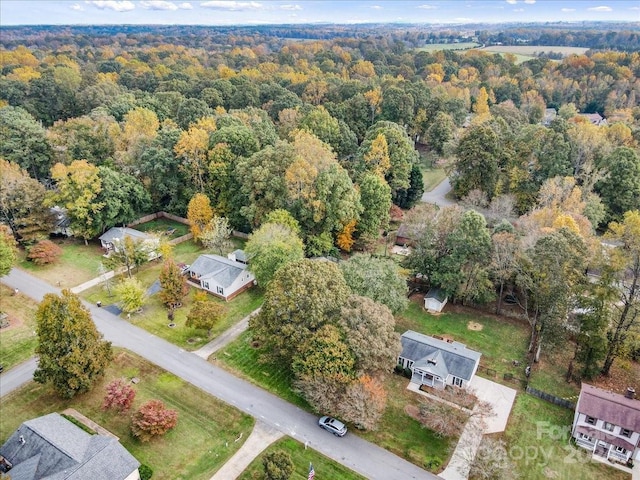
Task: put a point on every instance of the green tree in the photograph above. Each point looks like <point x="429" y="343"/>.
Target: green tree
<point x="440" y="132"/>
<point x="271" y="247"/>
<point x="625" y="280"/>
<point x="71" y="352"/>
<point x="476" y="166"/>
<point x="376" y="278"/>
<point x="216" y="234"/>
<point x="132" y="295"/>
<point x="407" y="197"/>
<point x="277" y="465"/>
<point x="77" y="190"/>
<point x="369" y="333"/>
<point x="129" y="254"/>
<point x="375" y="197"/>
<point x="173" y="283"/>
<point x="24" y="142"/>
<point x="122" y="196"/>
<point x="204" y="314"/>
<point x="620" y="189"/>
<point x="7" y="251"/>
<point x="22" y="204"/>
<point x="325" y="354"/>
<point x="283" y="217"/>
<point x="301" y="298"/>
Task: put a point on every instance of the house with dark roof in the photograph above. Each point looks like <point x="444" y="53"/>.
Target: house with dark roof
<point x="436" y="363"/>
<point x="223" y="277"/>
<point x="113" y="238"/>
<point x="607" y="424"/>
<point x="51" y="447"/>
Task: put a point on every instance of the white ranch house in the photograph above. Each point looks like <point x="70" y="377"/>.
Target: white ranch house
<point x="114" y="237"/>
<point x="437" y="363"/>
<point x="607" y="424"/>
<point x="223" y="277"/>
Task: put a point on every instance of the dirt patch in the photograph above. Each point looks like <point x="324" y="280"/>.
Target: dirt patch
<point x="475" y="326"/>
<point x="624" y="373"/>
<point x="13" y="323"/>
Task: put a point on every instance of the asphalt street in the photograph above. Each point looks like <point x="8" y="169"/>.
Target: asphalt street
<point x="361" y="456"/>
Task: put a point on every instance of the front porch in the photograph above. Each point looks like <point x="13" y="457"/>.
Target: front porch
<point x="606" y="453"/>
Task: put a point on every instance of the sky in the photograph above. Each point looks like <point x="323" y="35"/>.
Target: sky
<point x="242" y="12"/>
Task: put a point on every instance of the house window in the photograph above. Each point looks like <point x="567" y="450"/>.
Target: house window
<point x="220" y="290"/>
<point x="625" y="433"/>
<point x="457" y="381"/>
<point x="608" y="426"/>
<point x="584" y="436"/>
<point x="205" y="285"/>
<point x="409" y="363"/>
<point x="590" y="420"/>
<point x="621" y="450"/>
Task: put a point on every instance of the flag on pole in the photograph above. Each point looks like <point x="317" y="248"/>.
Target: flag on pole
<point x="312" y="472"/>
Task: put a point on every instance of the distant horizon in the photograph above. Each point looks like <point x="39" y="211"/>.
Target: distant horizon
<point x="307" y="12"/>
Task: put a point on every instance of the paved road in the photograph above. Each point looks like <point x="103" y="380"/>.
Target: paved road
<point x="438" y="194"/>
<point x="363" y="457"/>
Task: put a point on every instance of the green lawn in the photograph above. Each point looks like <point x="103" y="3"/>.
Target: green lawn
<point x="549" y="374"/>
<point x="18" y="340"/>
<point x="301" y="457"/>
<point x="501" y="341"/>
<point x="431" y="177"/>
<point x="199" y="445"/>
<point x="537" y="439"/>
<point x="162" y="225"/>
<point x="154" y="315"/>
<point x="77" y="264"/>
<point x="397" y="432"/>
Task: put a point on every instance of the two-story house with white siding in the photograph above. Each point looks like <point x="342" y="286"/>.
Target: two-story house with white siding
<point x="607" y="424"/>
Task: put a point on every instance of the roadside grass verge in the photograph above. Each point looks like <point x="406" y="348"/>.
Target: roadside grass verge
<point x="202" y="441"/>
<point x="301" y="457"/>
<point x="77" y="264"/>
<point x="17" y="341"/>
<point x="501" y="341"/>
<point x="537" y="438"/>
<point x="397" y="431"/>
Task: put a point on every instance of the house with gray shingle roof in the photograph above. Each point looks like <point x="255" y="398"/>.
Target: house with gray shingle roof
<point x="223" y="277"/>
<point x="436" y="363"/>
<point x="114" y="237"/>
<point x="53" y="448"/>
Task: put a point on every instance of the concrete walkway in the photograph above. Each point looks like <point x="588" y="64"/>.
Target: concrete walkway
<point x="226" y="337"/>
<point x="501" y="399"/>
<point x="261" y="437"/>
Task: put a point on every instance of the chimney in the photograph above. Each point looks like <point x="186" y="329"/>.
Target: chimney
<point x="630" y="393"/>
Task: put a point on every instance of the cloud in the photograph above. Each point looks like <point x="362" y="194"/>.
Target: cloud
<point x="118" y="6"/>
<point x="530" y="2"/>
<point x="602" y="8"/>
<point x="512" y="2"/>
<point x="463" y="19"/>
<point x="567" y="10"/>
<point x="634" y="8"/>
<point x="427" y="7"/>
<point x="185" y="6"/>
<point x="376" y="7"/>
<point x="290" y="7"/>
<point x="77" y="7"/>
<point x="231" y="5"/>
<point x="159" y="5"/>
<point x="518" y="9"/>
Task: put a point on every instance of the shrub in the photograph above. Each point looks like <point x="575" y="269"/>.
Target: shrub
<point x="120" y="396"/>
<point x="153" y="419"/>
<point x="145" y="472"/>
<point x="407" y="372"/>
<point x="44" y="252"/>
<point x="277" y="465"/>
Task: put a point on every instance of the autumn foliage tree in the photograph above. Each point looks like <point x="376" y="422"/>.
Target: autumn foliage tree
<point x="71" y="352"/>
<point x="44" y="252"/>
<point x="173" y="283"/>
<point x="199" y="214"/>
<point x="277" y="465"/>
<point x="120" y="396"/>
<point x="204" y="314"/>
<point x="152" y="420"/>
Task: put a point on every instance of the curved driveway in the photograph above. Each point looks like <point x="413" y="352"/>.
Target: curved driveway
<point x="438" y="194"/>
<point x="361" y="456"/>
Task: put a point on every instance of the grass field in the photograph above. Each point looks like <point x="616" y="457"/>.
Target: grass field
<point x="301" y="457"/>
<point x="537" y="439"/>
<point x="501" y="341"/>
<point x="524" y="53"/>
<point x="162" y="225"/>
<point x="18" y="340"/>
<point x="434" y="47"/>
<point x="200" y="444"/>
<point x="77" y="264"/>
<point x="397" y="432"/>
